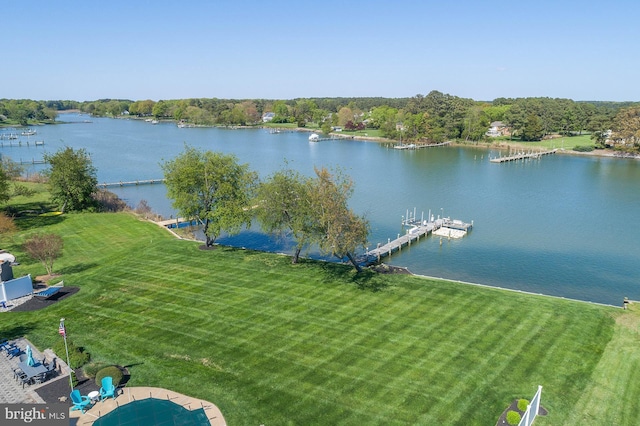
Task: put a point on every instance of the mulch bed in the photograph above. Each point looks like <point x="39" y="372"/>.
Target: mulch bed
<point x="52" y="392"/>
<point x="37" y="303"/>
<point x="514" y="407"/>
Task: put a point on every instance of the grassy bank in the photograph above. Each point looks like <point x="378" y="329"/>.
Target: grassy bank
<point x="274" y="343"/>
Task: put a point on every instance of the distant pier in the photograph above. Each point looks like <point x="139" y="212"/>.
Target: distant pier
<point x="19" y="144"/>
<point x="130" y="183"/>
<point x="420" y="145"/>
<point x="522" y="156"/>
<point x="32" y="161"/>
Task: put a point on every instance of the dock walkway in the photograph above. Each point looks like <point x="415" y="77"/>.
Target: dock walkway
<point x="522" y="156"/>
<point x="130" y="183"/>
<point x="416" y="229"/>
<point x="413" y="234"/>
<point x="421" y="145"/>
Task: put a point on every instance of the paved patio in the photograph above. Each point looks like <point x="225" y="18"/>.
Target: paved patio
<point x="12" y="392"/>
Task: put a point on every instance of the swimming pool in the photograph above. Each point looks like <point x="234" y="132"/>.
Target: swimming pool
<point x="153" y="412"/>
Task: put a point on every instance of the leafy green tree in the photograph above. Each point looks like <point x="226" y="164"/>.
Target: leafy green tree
<point x="340" y="232"/>
<point x="326" y="127"/>
<point x="160" y="109"/>
<point x="284" y="208"/>
<point x="532" y="130"/>
<point x="281" y="111"/>
<point x="496" y="112"/>
<point x="385" y="118"/>
<point x="476" y="124"/>
<point x="626" y="129"/>
<point x="4" y="185"/>
<point x="345" y="115"/>
<point x="212" y="188"/>
<point x="72" y="178"/>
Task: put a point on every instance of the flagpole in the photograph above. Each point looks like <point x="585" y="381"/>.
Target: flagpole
<point x="64" y="335"/>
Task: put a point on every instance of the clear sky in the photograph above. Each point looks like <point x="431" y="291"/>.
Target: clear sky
<point x="284" y="49"/>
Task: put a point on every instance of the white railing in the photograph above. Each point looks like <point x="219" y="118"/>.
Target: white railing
<point x="532" y="409"/>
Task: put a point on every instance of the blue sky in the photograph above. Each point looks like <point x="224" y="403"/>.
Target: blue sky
<point x="282" y="49"/>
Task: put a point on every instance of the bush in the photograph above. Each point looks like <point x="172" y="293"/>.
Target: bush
<point x="522" y="404"/>
<point x="91" y="369"/>
<point x="114" y="372"/>
<point x="513" y="418"/>
<point x="77" y="355"/>
<point x="583" y="148"/>
<point x="19" y="189"/>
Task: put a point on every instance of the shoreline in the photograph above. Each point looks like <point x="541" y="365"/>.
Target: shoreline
<point x="404" y="268"/>
<point x="500" y="145"/>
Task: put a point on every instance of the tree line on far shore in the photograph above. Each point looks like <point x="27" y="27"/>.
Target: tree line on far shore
<point x="436" y="117"/>
<point x="221" y="195"/>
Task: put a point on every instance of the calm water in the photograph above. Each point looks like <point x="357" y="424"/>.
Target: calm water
<point x="563" y="225"/>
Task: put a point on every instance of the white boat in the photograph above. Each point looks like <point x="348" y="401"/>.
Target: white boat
<point x="154" y="121"/>
<point x="314" y="137"/>
<point x="28" y="132"/>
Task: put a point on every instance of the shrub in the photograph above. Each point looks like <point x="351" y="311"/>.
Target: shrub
<point x="522" y="404"/>
<point x="108" y="201"/>
<point x="114" y="372"/>
<point x="19" y="189"/>
<point x="513" y="417"/>
<point x="7" y="225"/>
<point x="77" y="355"/>
<point x="583" y="148"/>
<point x="91" y="369"/>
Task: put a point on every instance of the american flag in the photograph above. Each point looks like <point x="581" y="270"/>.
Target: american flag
<point x="61" y="329"/>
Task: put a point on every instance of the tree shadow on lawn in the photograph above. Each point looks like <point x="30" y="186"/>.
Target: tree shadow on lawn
<point x="32" y="219"/>
<point x="73" y="269"/>
<point x="15" y="332"/>
<point x="366" y="280"/>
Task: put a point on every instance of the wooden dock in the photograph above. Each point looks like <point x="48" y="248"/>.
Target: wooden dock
<point x="130" y="183"/>
<point x="416" y="229"/>
<point x="413" y="234"/>
<point x="20" y="144"/>
<point x="522" y="156"/>
<point x="32" y="161"/>
<point x="421" y="145"/>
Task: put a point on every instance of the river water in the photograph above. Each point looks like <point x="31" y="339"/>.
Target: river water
<point x="562" y="225"/>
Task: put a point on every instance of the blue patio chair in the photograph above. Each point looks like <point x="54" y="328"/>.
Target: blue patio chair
<point x="80" y="402"/>
<point x="108" y="389"/>
<point x="13" y="351"/>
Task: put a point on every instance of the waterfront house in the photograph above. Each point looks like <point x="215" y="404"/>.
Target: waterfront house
<point x="497" y="128"/>
<point x="268" y="116"/>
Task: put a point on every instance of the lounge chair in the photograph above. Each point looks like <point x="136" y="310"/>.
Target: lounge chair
<point x="108" y="389"/>
<point x="13" y="351"/>
<point x="80" y="402"/>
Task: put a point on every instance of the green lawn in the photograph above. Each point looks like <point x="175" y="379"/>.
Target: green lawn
<point x="274" y="343"/>
<point x="566" y="142"/>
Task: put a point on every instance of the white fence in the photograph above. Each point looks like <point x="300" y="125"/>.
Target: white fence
<point x="532" y="409"/>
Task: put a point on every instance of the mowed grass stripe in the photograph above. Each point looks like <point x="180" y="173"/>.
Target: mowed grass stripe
<point x="275" y="343"/>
